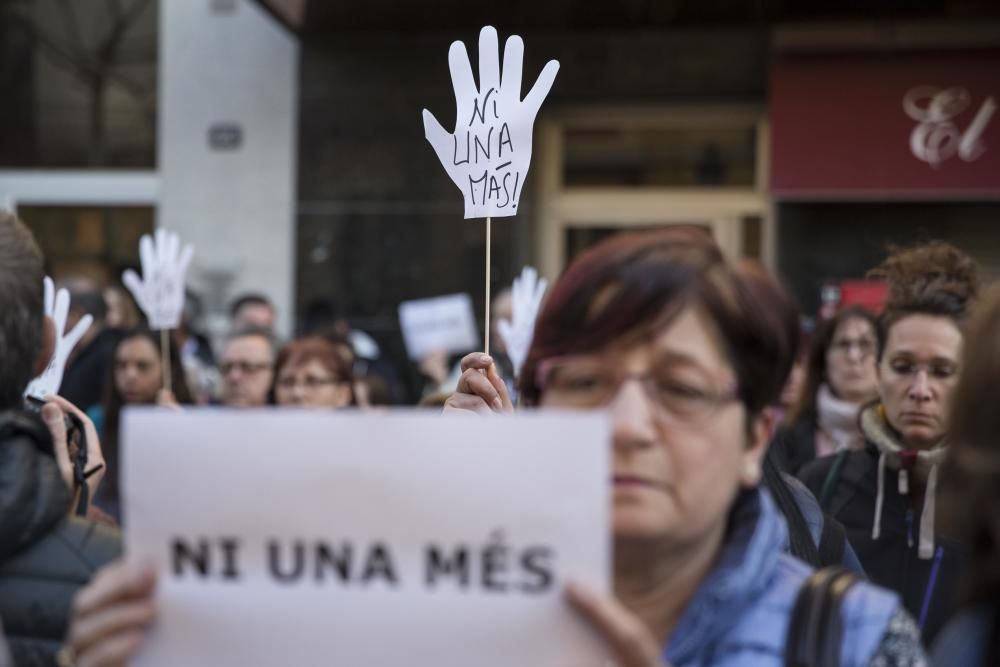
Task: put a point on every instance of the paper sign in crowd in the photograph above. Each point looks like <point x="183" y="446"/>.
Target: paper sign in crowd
<point x="488" y="154"/>
<point x="57" y="309"/>
<point x="526" y="298"/>
<point x="404" y="539"/>
<point x="439" y="324"/>
<point x="160" y="290"/>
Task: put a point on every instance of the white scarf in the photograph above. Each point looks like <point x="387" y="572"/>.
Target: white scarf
<point x="838" y="420"/>
<point x="924" y="462"/>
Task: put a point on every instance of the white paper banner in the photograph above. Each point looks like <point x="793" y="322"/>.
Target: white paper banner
<point x="311" y="539"/>
<point x="440" y="324"/>
<point x="488" y="154"/>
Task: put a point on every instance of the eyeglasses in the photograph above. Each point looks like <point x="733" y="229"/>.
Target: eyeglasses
<point x="310" y="382"/>
<point x="244" y="367"/>
<point x="684" y="392"/>
<point x="936" y="370"/>
<point x="865" y="346"/>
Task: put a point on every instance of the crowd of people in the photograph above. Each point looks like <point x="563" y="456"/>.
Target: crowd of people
<point x="849" y="515"/>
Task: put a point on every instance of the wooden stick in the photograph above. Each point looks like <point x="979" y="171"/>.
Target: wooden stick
<point x="165" y="353"/>
<point x="486" y="345"/>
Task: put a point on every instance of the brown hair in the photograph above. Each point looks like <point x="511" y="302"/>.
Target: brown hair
<point x="805" y="407"/>
<point x="934" y="279"/>
<point x="971" y="472"/>
<point x="21" y="308"/>
<point x="114" y="402"/>
<point x="305" y="349"/>
<point x="632" y="286"/>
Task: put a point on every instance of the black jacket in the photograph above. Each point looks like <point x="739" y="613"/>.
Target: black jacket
<point x="88" y="373"/>
<point x="45" y="556"/>
<point x="794" y="445"/>
<point x="929" y="588"/>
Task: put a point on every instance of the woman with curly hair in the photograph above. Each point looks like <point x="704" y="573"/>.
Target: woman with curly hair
<point x="970" y="488"/>
<point x="885" y="494"/>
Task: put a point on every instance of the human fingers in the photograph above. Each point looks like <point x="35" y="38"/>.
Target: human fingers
<point x="52" y="415"/>
<point x="95" y="454"/>
<point x="501" y="388"/>
<point x="477" y="384"/>
<point x="466" y="403"/>
<point x="115" y="652"/>
<point x="627" y="637"/>
<point x="477" y="360"/>
<point x="119" y="580"/>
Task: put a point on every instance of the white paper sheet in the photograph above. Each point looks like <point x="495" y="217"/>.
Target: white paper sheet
<point x="442" y="323"/>
<point x="235" y="483"/>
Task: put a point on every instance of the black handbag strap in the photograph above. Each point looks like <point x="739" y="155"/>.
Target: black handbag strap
<point x="832" y="542"/>
<point x="816" y="630"/>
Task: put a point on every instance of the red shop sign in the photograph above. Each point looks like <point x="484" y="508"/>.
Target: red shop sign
<point x="912" y="125"/>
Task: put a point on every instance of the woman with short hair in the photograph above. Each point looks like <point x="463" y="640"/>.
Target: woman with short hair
<point x="686" y="352"/>
<point x="312" y="372"/>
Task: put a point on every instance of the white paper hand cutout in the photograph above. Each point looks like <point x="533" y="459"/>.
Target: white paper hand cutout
<point x="525" y="296"/>
<point x="57" y="308"/>
<point x="160" y="291"/>
<point x="489" y="152"/>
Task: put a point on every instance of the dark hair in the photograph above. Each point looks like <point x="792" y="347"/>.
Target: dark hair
<point x="248" y="330"/>
<point x="22" y="309"/>
<point x="248" y="299"/>
<point x="632" y="286"/>
<point x="970" y="476"/>
<point x="934" y="279"/>
<point x="303" y="350"/>
<point x="805" y="408"/>
<point x="113" y="401"/>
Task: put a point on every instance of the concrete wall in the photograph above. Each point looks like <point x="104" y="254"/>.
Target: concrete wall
<point x="235" y="65"/>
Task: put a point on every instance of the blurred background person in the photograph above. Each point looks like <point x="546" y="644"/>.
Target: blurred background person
<point x="885" y="494"/>
<point x="970" y="496"/>
<point x="136" y="379"/>
<point x="251" y="309"/>
<point x="247" y="367"/>
<point x="196" y="352"/>
<point x="839" y="378"/>
<point x="122" y="312"/>
<point x="86" y="374"/>
<point x="312" y="372"/>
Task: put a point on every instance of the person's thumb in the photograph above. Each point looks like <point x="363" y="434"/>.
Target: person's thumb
<point x="53" y="418"/>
